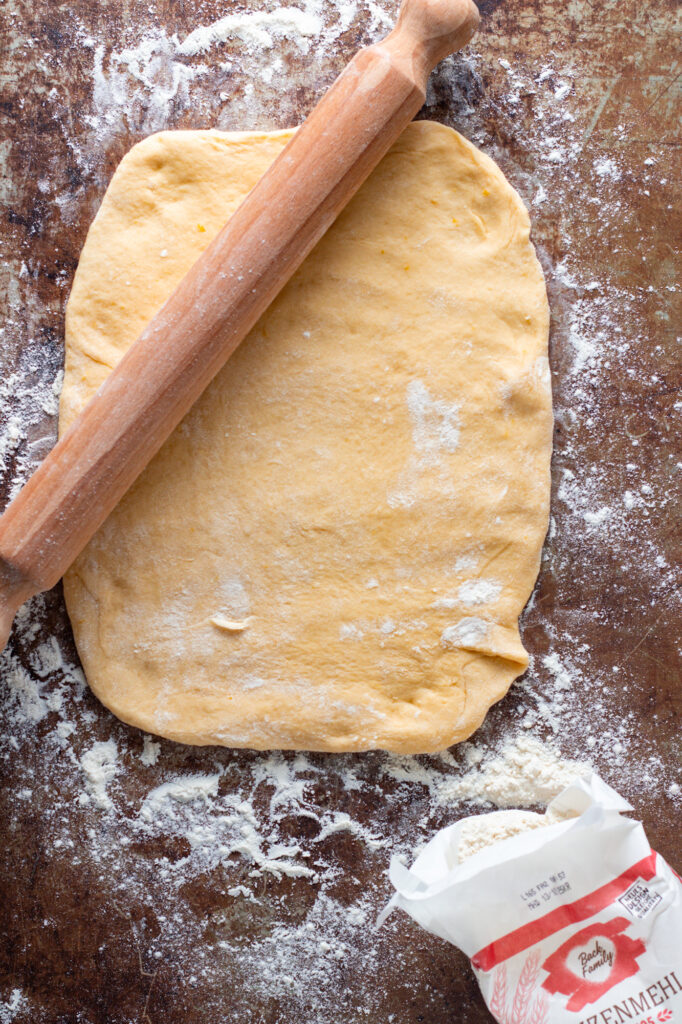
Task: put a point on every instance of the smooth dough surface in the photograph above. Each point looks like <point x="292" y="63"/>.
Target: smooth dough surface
<point x="332" y="550"/>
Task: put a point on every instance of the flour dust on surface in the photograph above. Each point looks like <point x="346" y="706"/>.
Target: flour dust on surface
<point x="196" y="846"/>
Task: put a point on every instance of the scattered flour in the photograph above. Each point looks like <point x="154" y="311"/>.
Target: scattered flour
<point x="15" y="1004"/>
<point x="218" y="828"/>
<point x="30" y="395"/>
<point x="606" y="167"/>
<point x="598" y="517"/>
<point x="23" y="690"/>
<point x="256" y="29"/>
<point x="344" y="823"/>
<point x="100" y="765"/>
<point x="182" y="791"/>
<point x="160" y="76"/>
<point x="150" y="751"/>
<point x="526" y="773"/>
<point x="148" y="71"/>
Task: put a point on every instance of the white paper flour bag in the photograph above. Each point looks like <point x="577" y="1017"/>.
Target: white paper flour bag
<point x="574" y="920"/>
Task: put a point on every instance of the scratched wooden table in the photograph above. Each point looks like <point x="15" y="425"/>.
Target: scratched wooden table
<point x="598" y="166"/>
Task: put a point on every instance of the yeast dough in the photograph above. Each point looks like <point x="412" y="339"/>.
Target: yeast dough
<point x="332" y="550"/>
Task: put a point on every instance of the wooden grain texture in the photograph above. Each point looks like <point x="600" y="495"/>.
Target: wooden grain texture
<point x="78" y="944"/>
<point x="220" y="299"/>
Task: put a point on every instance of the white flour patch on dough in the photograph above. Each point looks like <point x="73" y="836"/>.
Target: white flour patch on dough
<point x="350" y="631"/>
<point x="475" y="592"/>
<point x="466" y="633"/>
<point x="435" y="423"/>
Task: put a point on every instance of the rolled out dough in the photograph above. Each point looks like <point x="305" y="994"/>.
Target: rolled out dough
<point x="332" y="550"/>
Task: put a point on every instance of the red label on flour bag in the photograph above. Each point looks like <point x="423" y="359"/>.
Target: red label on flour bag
<point x="578" y="921"/>
<point x="592" y="962"/>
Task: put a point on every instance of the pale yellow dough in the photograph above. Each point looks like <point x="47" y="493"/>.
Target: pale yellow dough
<point x="332" y="550"/>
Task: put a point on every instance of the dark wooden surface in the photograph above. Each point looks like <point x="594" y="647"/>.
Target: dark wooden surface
<point x="583" y="122"/>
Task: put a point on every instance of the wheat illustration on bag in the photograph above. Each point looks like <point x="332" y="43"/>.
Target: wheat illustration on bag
<point x="498" y="1002"/>
<point x="525" y="990"/>
<point x="540" y="1010"/>
<point x="528" y="1006"/>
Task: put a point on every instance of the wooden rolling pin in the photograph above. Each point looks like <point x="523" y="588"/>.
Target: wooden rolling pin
<point x="217" y="303"/>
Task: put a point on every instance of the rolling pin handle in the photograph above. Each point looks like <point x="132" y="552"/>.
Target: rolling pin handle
<point x="429" y="30"/>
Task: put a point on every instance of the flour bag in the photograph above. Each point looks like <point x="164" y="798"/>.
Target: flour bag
<point x="575" y="922"/>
